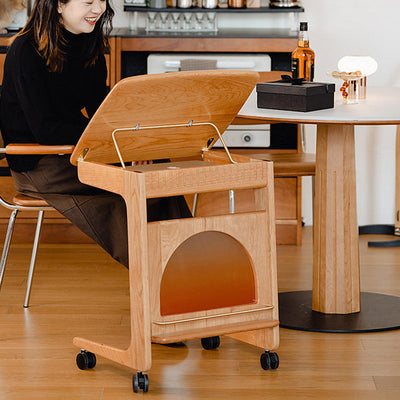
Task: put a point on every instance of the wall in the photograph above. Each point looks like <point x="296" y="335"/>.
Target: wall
<point x="338" y="28"/>
<point x="360" y="27"/>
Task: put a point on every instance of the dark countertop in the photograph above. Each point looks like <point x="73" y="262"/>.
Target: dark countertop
<point x="258" y="10"/>
<point x="222" y="33"/>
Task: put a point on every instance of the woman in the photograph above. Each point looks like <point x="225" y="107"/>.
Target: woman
<point x="54" y="74"/>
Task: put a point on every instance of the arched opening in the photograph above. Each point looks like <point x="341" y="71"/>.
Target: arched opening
<point x="207" y="271"/>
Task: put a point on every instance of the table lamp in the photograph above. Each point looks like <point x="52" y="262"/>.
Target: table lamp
<point x="361" y="66"/>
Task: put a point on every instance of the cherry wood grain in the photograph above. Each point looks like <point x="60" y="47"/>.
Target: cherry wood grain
<point x="289" y="164"/>
<point x="222" y="45"/>
<point x="156" y="249"/>
<point x="33" y="148"/>
<point x="336" y="282"/>
<point x="164" y="99"/>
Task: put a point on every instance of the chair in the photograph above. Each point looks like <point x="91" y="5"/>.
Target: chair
<point x="22" y="202"/>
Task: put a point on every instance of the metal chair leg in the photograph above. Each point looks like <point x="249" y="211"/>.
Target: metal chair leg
<point x="7" y="243"/>
<point x="231" y="202"/>
<point x="33" y="258"/>
<point x="195" y="201"/>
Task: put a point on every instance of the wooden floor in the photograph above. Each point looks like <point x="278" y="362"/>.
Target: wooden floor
<point x="79" y="290"/>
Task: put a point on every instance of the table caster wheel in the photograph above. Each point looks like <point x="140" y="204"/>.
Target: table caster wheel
<point x="85" y="360"/>
<point x="210" y="343"/>
<point x="265" y="361"/>
<point x="269" y="360"/>
<point x="274" y="360"/>
<point x="140" y="381"/>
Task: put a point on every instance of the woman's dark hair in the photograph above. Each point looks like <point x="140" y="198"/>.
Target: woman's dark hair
<point x="46" y="27"/>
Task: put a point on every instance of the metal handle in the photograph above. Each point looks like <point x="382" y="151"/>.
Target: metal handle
<point x="188" y="125"/>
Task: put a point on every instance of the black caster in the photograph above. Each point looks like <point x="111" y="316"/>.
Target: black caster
<point x="274" y="360"/>
<point x="140" y="381"/>
<point x="210" y="343"/>
<point x="265" y="361"/>
<point x="269" y="360"/>
<point x="85" y="360"/>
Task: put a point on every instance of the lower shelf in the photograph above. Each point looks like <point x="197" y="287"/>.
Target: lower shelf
<point x="214" y="331"/>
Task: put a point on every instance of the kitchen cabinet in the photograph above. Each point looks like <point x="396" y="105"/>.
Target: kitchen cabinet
<point x="133" y="47"/>
<point x="211" y="19"/>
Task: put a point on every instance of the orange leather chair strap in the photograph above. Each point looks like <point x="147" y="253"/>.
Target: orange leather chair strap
<point x="33" y="148"/>
<point x="27" y="201"/>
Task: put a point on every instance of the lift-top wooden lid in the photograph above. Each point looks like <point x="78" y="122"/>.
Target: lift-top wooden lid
<point x="164" y="99"/>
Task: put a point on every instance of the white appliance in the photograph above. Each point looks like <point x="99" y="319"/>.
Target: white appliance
<point x="235" y="135"/>
<point x="19" y="21"/>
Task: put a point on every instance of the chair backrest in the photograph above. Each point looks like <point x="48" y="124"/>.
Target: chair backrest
<point x="164" y="99"/>
<point x="270" y="76"/>
<point x="2" y="155"/>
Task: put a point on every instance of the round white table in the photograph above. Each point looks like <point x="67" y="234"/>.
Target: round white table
<point x="337" y="304"/>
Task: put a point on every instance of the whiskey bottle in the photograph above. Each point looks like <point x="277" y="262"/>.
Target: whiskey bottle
<point x="303" y="56"/>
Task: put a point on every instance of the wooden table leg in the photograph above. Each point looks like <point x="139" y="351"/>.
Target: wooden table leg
<point x="336" y="271"/>
<point x="138" y="354"/>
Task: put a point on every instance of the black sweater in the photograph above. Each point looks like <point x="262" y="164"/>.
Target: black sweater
<point x="38" y="106"/>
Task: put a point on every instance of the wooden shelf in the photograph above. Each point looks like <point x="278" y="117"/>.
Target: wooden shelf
<point x="214" y="331"/>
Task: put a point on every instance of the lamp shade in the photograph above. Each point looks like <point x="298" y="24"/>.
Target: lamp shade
<point x="366" y="64"/>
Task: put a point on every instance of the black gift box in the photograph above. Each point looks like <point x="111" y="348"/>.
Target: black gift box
<point x="308" y="96"/>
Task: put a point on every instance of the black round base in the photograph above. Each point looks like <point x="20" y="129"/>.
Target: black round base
<point x="379" y="230"/>
<point x="379" y="312"/>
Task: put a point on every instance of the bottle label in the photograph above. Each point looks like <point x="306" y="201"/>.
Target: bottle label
<point x="304" y="69"/>
<point x="295" y="68"/>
